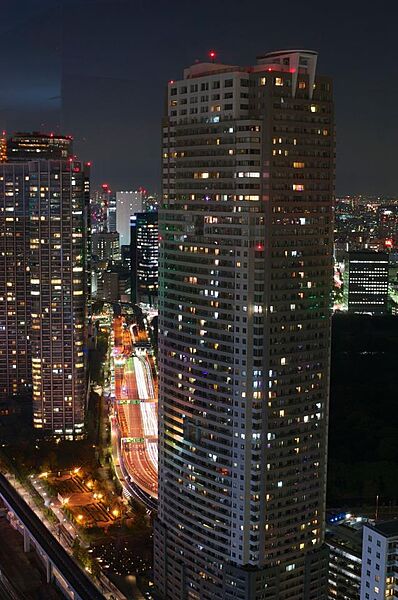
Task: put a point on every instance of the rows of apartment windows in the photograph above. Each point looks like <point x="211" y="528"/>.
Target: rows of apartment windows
<point x="205" y="98"/>
<point x="215" y="85"/>
<point x="204" y="86"/>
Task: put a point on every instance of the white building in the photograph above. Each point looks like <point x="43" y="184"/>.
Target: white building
<point x="379" y="561"/>
<point x="127" y="204"/>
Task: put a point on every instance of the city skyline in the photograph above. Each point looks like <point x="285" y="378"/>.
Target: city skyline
<point x="198" y="328"/>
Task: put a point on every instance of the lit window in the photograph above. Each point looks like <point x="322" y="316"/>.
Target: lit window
<point x="279" y="81"/>
<point x="263" y="80"/>
<point x="298" y="165"/>
<point x="314" y="108"/>
<point x="298" y="187"/>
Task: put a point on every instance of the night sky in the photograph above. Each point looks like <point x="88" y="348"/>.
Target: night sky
<point x="97" y="69"/>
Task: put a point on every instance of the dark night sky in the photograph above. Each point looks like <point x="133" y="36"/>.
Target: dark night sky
<point x="97" y="69"/>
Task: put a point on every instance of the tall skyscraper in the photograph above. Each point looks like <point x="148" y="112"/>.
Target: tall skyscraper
<point x="368" y="282"/>
<point x="23" y="146"/>
<point x="99" y="209"/>
<point x="244" y="299"/>
<point x="3" y="147"/>
<point x="112" y="212"/>
<point x="44" y="229"/>
<point x="59" y="212"/>
<point x="127" y="204"/>
<point x="144" y="249"/>
<point x="15" y="359"/>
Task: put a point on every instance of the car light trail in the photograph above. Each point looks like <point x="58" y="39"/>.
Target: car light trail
<point x="135" y="406"/>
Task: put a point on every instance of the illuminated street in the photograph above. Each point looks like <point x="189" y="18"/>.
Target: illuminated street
<point x="134" y="394"/>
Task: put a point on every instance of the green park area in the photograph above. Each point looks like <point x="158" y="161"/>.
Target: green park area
<point x="363" y="432"/>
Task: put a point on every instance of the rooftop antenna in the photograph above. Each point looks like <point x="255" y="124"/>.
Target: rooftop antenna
<point x="377" y="507"/>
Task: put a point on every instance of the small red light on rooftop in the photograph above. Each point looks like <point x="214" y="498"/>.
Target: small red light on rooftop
<point x="212" y="54"/>
<point x="171" y="81"/>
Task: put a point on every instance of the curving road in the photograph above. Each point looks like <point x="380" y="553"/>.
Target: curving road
<point x="135" y="404"/>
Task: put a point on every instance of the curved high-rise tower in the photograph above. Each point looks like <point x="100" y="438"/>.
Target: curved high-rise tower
<point x="245" y="279"/>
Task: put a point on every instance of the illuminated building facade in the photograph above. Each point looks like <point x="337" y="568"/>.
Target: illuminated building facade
<point x="43" y="254"/>
<point x="99" y="209"/>
<point x="24" y="146"/>
<point x="144" y="257"/>
<point x="388" y="225"/>
<point x="246" y="236"/>
<point x="368" y="282"/>
<point x="112" y="213"/>
<point x="15" y="362"/>
<point x="379" y="561"/>
<point x="105" y="246"/>
<point x="345" y="561"/>
<point x="59" y="225"/>
<point x="127" y="204"/>
<point x="3" y="147"/>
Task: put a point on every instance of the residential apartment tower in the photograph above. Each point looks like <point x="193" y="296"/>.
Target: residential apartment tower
<point x="244" y="298"/>
<point x="44" y="207"/>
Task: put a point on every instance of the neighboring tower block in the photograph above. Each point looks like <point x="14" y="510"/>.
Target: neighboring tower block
<point x="379" y="561"/>
<point x="144" y="257"/>
<point x="127" y="204"/>
<point x="34" y="146"/>
<point x="15" y="298"/>
<point x="59" y="206"/>
<point x="105" y="246"/>
<point x="345" y="560"/>
<point x="368" y="282"/>
<point x="3" y="147"/>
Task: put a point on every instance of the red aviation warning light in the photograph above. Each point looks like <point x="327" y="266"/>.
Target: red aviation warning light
<point x="388" y="243"/>
<point x="212" y="55"/>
